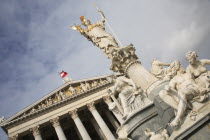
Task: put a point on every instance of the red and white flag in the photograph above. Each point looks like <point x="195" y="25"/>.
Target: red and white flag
<point x="63" y="74"/>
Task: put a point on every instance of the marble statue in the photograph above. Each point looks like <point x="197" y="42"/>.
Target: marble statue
<point x="196" y="67"/>
<point x="87" y="85"/>
<point x="1" y="119"/>
<point x="83" y="86"/>
<point x="97" y="34"/>
<point x="101" y="81"/>
<point x="182" y="89"/>
<point x="128" y="94"/>
<point x="40" y="106"/>
<point x="94" y="84"/>
<point x="72" y="90"/>
<point x="164" y="73"/>
<point x="32" y="110"/>
<point x="50" y="102"/>
<point x="43" y="105"/>
<point x="162" y="136"/>
<point x="62" y="95"/>
<point x="122" y="133"/>
<point x="57" y="95"/>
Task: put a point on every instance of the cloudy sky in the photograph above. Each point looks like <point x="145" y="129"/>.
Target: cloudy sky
<point x="36" y="41"/>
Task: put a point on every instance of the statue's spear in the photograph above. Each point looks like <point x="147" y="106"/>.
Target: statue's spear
<point x="108" y="24"/>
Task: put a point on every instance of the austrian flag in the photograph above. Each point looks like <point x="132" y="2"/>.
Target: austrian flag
<point x="63" y="74"/>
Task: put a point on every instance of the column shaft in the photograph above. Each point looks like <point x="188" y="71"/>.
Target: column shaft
<point x="101" y="122"/>
<point x="38" y="137"/>
<point x="79" y="125"/>
<point x="98" y="129"/>
<point x="112" y="119"/>
<point x="60" y="133"/>
<point x="140" y="75"/>
<point x="82" y="129"/>
<point x="58" y="129"/>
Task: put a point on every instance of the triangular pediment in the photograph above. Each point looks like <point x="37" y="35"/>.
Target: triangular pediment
<point x="62" y="94"/>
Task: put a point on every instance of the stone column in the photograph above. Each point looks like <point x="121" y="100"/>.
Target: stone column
<point x="100" y="122"/>
<point x="36" y="133"/>
<point x="140" y="75"/>
<point x="79" y="125"/>
<point x="56" y="124"/>
<point x="98" y="129"/>
<point x="124" y="60"/>
<point x="13" y="137"/>
<point x="117" y="114"/>
<point x="112" y="119"/>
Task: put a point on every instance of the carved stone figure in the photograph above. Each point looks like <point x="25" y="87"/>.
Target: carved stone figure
<point x="182" y="89"/>
<point x="128" y="94"/>
<point x="94" y="84"/>
<point x="40" y="106"/>
<point x="2" y="119"/>
<point x="43" y="105"/>
<point x="72" y="90"/>
<point x="101" y="82"/>
<point x="164" y="73"/>
<point x="58" y="97"/>
<point x="62" y="95"/>
<point x="157" y="68"/>
<point x="162" y="136"/>
<point x="50" y="102"/>
<point x="97" y="34"/>
<point x="87" y="85"/>
<point x="83" y="86"/>
<point x="122" y="133"/>
<point x="32" y="110"/>
<point x="196" y="67"/>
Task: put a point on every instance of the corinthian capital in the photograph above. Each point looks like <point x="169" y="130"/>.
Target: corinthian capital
<point x="35" y="130"/>
<point x="73" y="113"/>
<point x="91" y="106"/>
<point x="55" y="122"/>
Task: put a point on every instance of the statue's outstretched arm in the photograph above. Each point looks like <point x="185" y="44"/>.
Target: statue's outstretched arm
<point x="205" y="61"/>
<point x="130" y="82"/>
<point x="163" y="64"/>
<point x="112" y="90"/>
<point x="78" y="28"/>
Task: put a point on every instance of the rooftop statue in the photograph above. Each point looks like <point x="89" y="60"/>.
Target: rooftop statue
<point x="97" y="34"/>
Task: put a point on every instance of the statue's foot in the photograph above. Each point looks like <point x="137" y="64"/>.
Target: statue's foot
<point x="175" y="123"/>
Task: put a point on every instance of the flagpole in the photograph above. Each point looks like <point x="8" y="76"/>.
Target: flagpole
<point x="108" y="25"/>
